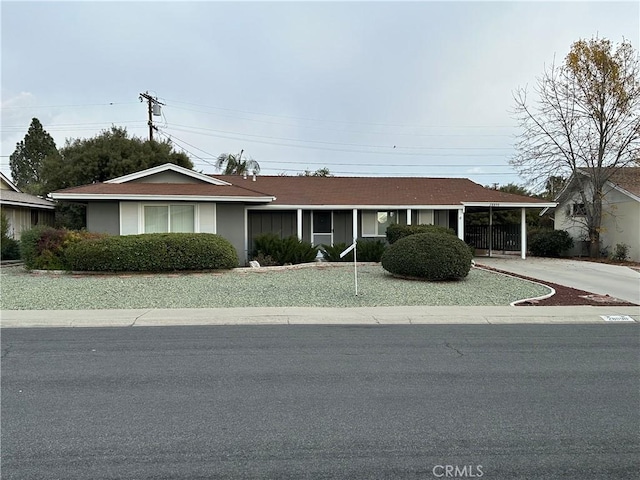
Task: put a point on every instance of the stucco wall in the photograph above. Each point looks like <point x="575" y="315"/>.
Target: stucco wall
<point x="166" y="177"/>
<point x="103" y="217"/>
<point x="230" y="225"/>
<point x="620" y="223"/>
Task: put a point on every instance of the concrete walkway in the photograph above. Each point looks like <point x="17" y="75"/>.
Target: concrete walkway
<point x="316" y="316"/>
<point x="613" y="280"/>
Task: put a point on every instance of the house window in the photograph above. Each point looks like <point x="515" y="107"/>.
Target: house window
<point x="578" y="210"/>
<point x="374" y="224"/>
<point x="169" y="218"/>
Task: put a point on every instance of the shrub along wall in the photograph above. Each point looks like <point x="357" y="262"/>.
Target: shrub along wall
<point x="368" y="251"/>
<point x="270" y="249"/>
<point x="551" y="243"/>
<point x="430" y="256"/>
<point x="155" y="252"/>
<point x="44" y="248"/>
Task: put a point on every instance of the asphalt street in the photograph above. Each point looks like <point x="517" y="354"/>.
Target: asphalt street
<point x="338" y="402"/>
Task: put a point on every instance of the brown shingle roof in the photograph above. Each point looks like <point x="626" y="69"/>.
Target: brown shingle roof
<point x="375" y="190"/>
<point x="11" y="197"/>
<point x="319" y="191"/>
<point x="627" y="178"/>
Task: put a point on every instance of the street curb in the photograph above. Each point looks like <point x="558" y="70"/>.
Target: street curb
<point x="315" y="316"/>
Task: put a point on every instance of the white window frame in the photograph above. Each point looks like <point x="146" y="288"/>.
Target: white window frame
<point x="196" y="216"/>
<point x="375" y="213"/>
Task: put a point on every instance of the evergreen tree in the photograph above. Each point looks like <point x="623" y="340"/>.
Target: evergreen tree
<point x="27" y="160"/>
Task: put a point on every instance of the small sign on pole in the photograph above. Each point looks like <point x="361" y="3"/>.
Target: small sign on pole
<point x="355" y="265"/>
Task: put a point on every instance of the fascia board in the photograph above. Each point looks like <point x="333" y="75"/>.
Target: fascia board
<point x="511" y="204"/>
<point x="191" y="198"/>
<point x="163" y="168"/>
<point x="13" y="203"/>
<point x="10" y="183"/>
<point x="359" y="207"/>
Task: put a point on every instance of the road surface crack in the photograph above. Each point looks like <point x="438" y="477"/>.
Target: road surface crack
<point x="448" y="345"/>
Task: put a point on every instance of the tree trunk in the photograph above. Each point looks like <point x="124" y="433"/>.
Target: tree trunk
<point x="594" y="225"/>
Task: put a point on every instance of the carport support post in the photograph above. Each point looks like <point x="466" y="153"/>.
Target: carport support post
<point x="490" y="229"/>
<point x="461" y="224"/>
<point x="299" y="223"/>
<point x="523" y="233"/>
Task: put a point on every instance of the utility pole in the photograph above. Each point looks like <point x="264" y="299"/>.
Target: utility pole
<point x="153" y="109"/>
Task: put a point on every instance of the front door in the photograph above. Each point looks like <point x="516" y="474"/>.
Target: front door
<point x="322" y="228"/>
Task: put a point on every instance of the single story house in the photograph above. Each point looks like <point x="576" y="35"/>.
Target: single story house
<point x="620" y="212"/>
<point x="321" y="210"/>
<point x="23" y="211"/>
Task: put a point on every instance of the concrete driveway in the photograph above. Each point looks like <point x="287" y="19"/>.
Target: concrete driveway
<point x="601" y="278"/>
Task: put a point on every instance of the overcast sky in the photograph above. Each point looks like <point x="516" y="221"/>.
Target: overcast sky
<point x="362" y="88"/>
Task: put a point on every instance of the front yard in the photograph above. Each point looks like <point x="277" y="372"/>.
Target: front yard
<point x="316" y="285"/>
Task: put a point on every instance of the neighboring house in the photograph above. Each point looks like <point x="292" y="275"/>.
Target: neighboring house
<point x="23" y="211"/>
<point x="620" y="218"/>
<point x="321" y="210"/>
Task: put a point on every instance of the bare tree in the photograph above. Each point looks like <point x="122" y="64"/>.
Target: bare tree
<point x="584" y="123"/>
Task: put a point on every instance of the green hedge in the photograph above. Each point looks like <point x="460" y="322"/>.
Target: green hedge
<point x="396" y="231"/>
<point x="155" y="252"/>
<point x="283" y="251"/>
<point x="429" y="256"/>
<point x="551" y="243"/>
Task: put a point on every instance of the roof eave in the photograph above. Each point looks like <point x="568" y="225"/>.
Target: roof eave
<point x="15" y="203"/>
<point x="134" y="197"/>
<point x="511" y="204"/>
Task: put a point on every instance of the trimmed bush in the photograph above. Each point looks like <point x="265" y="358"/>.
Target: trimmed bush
<point x="44" y="248"/>
<point x="428" y="256"/>
<point x="550" y="243"/>
<point x="396" y="231"/>
<point x="370" y="250"/>
<point x="153" y="252"/>
<point x="284" y="251"/>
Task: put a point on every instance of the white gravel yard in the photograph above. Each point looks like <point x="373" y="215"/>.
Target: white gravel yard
<point x="317" y="285"/>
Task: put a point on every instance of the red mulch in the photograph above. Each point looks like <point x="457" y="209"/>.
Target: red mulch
<point x="567" y="296"/>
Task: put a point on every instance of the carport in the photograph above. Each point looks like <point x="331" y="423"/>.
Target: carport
<point x="496" y="237"/>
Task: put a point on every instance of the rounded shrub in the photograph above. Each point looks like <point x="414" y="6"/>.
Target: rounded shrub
<point x="428" y="256"/>
<point x="154" y="252"/>
<point x="396" y="231"/>
<point x="551" y="243"/>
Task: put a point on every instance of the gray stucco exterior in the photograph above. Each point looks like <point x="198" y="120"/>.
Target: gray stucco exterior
<point x="103" y="217"/>
<point x="230" y="225"/>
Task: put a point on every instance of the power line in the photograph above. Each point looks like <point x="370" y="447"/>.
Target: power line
<point x="390" y="147"/>
<point x="178" y="141"/>
<point x="68" y="105"/>
<point x="339" y="121"/>
<point x="191" y="130"/>
<point x="356" y="132"/>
